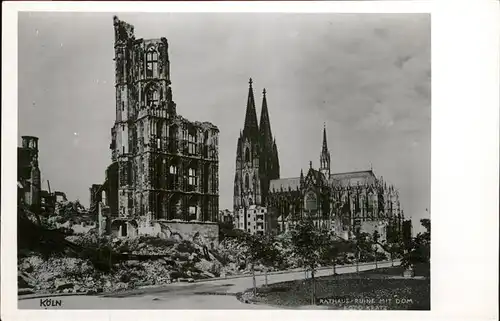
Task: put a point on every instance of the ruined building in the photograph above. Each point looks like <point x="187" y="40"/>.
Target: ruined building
<point x="28" y="173"/>
<point x="345" y="203"/>
<point x="164" y="167"/>
<point x="29" y="180"/>
<point x="257" y="164"/>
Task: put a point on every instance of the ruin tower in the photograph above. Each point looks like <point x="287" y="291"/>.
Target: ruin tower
<point x="29" y="171"/>
<point x="163" y="165"/>
<point x="256" y="157"/>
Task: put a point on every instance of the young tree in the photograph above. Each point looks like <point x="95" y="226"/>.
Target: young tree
<point x="394" y="249"/>
<point x="376" y="237"/>
<point x="253" y="249"/>
<point x="270" y="255"/>
<point x="332" y="249"/>
<point x="360" y="246"/>
<point x="307" y="242"/>
<point x="418" y="247"/>
<point x="260" y="250"/>
<point x="330" y="253"/>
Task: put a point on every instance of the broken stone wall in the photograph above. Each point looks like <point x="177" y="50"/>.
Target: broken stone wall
<point x="199" y="232"/>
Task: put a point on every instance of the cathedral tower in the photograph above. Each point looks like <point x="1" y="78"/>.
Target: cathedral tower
<point x="269" y="164"/>
<point x="324" y="158"/>
<point x="256" y="157"/>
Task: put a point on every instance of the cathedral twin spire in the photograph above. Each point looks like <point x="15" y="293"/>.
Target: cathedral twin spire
<point x="252" y="129"/>
<point x="256" y="154"/>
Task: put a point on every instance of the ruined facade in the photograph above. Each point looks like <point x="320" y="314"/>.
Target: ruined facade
<point x="345" y="203"/>
<point x="29" y="180"/>
<point x="28" y="173"/>
<point x="257" y="160"/>
<point x="164" y="167"/>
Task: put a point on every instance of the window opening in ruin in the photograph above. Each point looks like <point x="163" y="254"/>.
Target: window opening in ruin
<point x="247" y="155"/>
<point x="152" y="64"/>
<point x="192" y="144"/>
<point x="123" y="106"/>
<point x="124" y="229"/>
<point x="158" y="143"/>
<point x="192" y="177"/>
<point x="130" y="202"/>
<point x="152" y="97"/>
<point x="247" y="182"/>
<point x="173" y="170"/>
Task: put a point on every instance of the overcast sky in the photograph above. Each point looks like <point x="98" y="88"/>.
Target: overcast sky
<point x="367" y="76"/>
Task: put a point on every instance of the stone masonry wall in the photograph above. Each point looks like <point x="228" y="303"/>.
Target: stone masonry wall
<point x="206" y="233"/>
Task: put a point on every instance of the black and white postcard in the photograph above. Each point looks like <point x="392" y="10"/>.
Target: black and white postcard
<point x="178" y="160"/>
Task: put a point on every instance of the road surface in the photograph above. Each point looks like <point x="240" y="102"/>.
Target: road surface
<point x="215" y="294"/>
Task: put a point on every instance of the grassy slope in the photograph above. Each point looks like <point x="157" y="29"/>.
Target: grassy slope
<point x="372" y="290"/>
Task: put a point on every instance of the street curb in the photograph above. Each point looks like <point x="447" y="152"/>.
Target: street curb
<point x="49" y="295"/>
<point x="138" y="292"/>
<point x="288" y="271"/>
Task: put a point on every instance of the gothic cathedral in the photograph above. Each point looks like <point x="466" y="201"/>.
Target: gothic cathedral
<point x="257" y="160"/>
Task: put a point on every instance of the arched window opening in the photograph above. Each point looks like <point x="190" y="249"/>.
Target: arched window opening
<point x="247" y="154"/>
<point x="311" y="202"/>
<point x="152" y="64"/>
<point x="247" y="182"/>
<point x="152" y="97"/>
<point x="192" y="141"/>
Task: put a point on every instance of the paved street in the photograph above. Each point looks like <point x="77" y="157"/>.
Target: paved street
<point x="216" y="294"/>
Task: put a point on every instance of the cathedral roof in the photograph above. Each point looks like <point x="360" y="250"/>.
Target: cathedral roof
<point x="352" y="178"/>
<point x="285" y="183"/>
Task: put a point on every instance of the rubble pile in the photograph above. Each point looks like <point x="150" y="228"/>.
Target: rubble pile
<point x="56" y="261"/>
<point x="136" y="262"/>
<point x="62" y="275"/>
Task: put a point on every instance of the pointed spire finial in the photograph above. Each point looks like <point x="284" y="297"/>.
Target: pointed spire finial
<point x="264" y="92"/>
<point x="325" y="144"/>
<point x="251" y="127"/>
<point x="310" y="164"/>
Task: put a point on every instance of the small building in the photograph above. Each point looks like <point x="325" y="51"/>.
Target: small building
<point x="253" y="220"/>
<point x="226" y="216"/>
